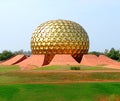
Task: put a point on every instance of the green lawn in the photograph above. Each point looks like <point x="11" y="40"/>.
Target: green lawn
<point x="41" y="77"/>
<point x="101" y="67"/>
<point x="13" y="74"/>
<point x="7" y="68"/>
<point x="61" y="92"/>
<point x="34" y="85"/>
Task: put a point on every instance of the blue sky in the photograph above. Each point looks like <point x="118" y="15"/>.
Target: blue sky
<point x="19" y="18"/>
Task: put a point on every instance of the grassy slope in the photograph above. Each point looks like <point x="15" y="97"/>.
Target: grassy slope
<point x="56" y="92"/>
<point x="41" y="77"/>
<point x="12" y="74"/>
<point x="69" y="67"/>
<point x="7" y="68"/>
<point x="60" y="92"/>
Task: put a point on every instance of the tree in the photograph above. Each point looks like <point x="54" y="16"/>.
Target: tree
<point x="113" y="54"/>
<point x="5" y="55"/>
<point x="96" y="53"/>
<point x="27" y="53"/>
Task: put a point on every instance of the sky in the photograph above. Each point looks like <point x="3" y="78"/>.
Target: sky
<point x="19" y="18"/>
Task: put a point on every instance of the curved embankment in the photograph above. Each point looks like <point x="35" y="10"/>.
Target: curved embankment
<point x="40" y="60"/>
<point x="63" y="59"/>
<point x="32" y="62"/>
<point x="90" y="60"/>
<point x="14" y="60"/>
<point x="108" y="62"/>
<point x="93" y="60"/>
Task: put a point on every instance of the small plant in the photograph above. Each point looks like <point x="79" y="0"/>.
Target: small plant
<point x="75" y="68"/>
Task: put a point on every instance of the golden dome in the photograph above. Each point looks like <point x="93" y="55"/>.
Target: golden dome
<point x="60" y="37"/>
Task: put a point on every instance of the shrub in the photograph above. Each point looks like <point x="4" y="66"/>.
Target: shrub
<point x="6" y="55"/>
<point x="75" y="68"/>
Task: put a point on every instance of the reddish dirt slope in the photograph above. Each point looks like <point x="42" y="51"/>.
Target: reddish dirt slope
<point x="105" y="60"/>
<point x="92" y="60"/>
<point x="32" y="62"/>
<point x="89" y="60"/>
<point x="109" y="62"/>
<point x="14" y="60"/>
<point x="63" y="59"/>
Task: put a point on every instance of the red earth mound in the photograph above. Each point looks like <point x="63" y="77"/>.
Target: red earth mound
<point x="60" y="59"/>
<point x="93" y="60"/>
<point x="63" y="59"/>
<point x="108" y="62"/>
<point x="89" y="60"/>
<point x="14" y="60"/>
<point x="105" y="60"/>
<point x="32" y="62"/>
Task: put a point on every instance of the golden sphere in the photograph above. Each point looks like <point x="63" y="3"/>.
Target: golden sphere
<point x="60" y="37"/>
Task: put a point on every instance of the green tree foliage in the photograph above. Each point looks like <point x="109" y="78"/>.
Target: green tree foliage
<point x="27" y="53"/>
<point x="5" y="55"/>
<point x="96" y="53"/>
<point x="8" y="54"/>
<point x="113" y="54"/>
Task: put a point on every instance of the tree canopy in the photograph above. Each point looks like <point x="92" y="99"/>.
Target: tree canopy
<point x="112" y="53"/>
<point x="8" y="54"/>
<point x="5" y="55"/>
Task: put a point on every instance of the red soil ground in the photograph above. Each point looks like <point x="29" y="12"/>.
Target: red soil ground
<point x="32" y="62"/>
<point x="105" y="60"/>
<point x="39" y="60"/>
<point x="63" y="59"/>
<point x="109" y="62"/>
<point x="92" y="60"/>
<point x="14" y="60"/>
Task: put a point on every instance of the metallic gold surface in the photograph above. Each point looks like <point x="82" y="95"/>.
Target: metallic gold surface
<point x="60" y="37"/>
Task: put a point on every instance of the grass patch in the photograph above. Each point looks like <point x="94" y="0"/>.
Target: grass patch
<point x="61" y="92"/>
<point x="13" y="74"/>
<point x="69" y="68"/>
<point x="8" y="68"/>
<point x="11" y="88"/>
<point x="74" y="68"/>
<point x="95" y="68"/>
<point x="53" y="68"/>
<point x="41" y="77"/>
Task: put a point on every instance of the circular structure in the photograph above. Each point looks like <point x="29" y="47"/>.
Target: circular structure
<point x="60" y="37"/>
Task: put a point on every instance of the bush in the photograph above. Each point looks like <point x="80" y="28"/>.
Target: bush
<point x="6" y="55"/>
<point x="96" y="53"/>
<point x="113" y="54"/>
<point x="75" y="68"/>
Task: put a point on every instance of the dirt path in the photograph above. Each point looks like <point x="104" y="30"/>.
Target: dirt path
<point x="69" y="71"/>
<point x="65" y="82"/>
